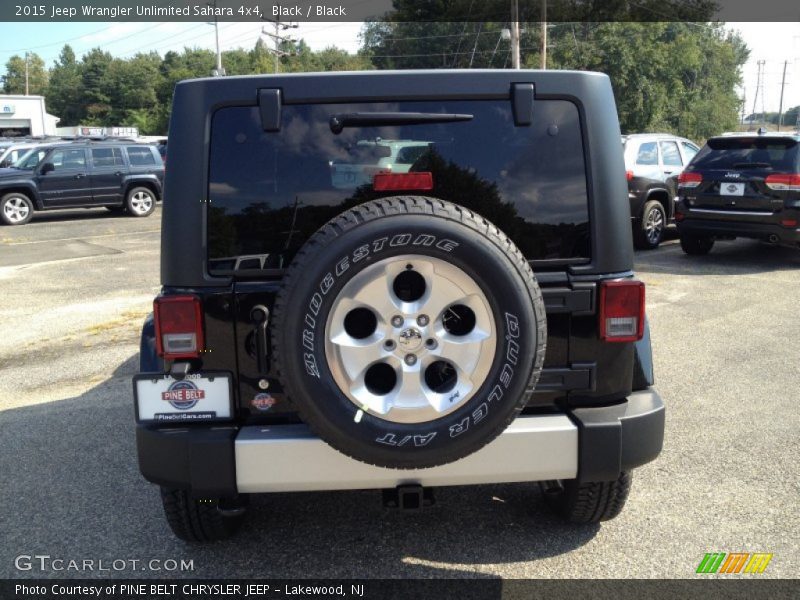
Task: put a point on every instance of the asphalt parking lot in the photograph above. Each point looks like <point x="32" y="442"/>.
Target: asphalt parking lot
<point x="726" y="334"/>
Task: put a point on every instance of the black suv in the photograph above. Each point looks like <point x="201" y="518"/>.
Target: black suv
<point x="122" y="176"/>
<point x="390" y="333"/>
<point x="741" y="185"/>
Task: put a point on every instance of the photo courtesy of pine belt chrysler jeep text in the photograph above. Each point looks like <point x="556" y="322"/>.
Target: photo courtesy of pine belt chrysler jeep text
<point x="396" y="281"/>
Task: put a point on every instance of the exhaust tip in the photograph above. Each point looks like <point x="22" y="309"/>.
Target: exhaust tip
<point x="773" y="239"/>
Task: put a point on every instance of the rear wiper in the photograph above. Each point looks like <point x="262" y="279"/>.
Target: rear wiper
<point x="340" y="121"/>
<point x="751" y="165"/>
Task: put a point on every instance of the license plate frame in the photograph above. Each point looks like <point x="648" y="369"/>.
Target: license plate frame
<point x="731" y="188"/>
<point x="213" y="405"/>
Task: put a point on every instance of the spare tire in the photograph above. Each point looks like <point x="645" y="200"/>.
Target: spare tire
<point x="409" y="332"/>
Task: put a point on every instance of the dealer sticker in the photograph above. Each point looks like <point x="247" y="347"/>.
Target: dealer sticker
<point x="263" y="402"/>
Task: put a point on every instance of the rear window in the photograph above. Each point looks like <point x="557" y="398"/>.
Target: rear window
<point x="742" y="153"/>
<point x="140" y="155"/>
<point x="268" y="192"/>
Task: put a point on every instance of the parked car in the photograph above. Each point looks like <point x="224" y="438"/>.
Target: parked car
<point x="359" y="162"/>
<point x="742" y="185"/>
<point x="653" y="162"/>
<point x="13" y="151"/>
<point x="121" y="176"/>
<point x="394" y="336"/>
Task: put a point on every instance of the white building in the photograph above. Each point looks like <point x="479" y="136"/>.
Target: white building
<point x="25" y="115"/>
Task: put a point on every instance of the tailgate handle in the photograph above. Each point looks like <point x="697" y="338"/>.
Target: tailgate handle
<point x="269" y="106"/>
<point x="260" y="317"/>
<point x="522" y="101"/>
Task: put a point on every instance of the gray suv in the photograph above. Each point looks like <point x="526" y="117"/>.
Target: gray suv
<point x="653" y="162"/>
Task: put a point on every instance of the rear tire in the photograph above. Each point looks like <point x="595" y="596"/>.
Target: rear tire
<point x="202" y="520"/>
<point x="140" y="202"/>
<point x="650" y="228"/>
<point x="588" y="502"/>
<point x="696" y="245"/>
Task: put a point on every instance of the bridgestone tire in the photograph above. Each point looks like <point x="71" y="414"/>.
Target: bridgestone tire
<point x="696" y="245"/>
<point x="200" y="519"/>
<point x="434" y="230"/>
<point x="589" y="502"/>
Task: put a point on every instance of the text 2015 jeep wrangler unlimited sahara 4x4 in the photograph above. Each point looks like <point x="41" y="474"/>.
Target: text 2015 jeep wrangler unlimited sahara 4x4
<point x="315" y="336"/>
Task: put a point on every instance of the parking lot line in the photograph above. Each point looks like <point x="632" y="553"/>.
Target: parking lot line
<point x="83" y="237"/>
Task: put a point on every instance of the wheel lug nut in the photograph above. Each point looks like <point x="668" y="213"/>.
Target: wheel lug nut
<point x="397" y="321"/>
<point x="411" y="360"/>
<point x="422" y="320"/>
<point x="430" y="343"/>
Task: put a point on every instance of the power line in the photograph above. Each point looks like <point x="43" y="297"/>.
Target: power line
<point x="63" y="41"/>
<point x="158" y="45"/>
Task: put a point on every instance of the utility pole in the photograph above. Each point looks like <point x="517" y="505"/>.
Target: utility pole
<point x="744" y="104"/>
<point x="543" y="48"/>
<point x="760" y="64"/>
<point x="780" y="106"/>
<point x="26" y="73"/>
<point x="278" y="39"/>
<point x="514" y="25"/>
<point x="218" y="71"/>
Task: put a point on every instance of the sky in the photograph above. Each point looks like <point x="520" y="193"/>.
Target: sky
<point x="772" y="42"/>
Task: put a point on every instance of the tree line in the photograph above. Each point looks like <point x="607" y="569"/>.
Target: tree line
<point x="100" y="89"/>
<point x="678" y="77"/>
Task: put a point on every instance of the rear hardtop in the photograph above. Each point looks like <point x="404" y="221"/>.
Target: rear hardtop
<point x="189" y="216"/>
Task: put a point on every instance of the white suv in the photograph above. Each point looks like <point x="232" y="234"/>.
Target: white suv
<point x="370" y="157"/>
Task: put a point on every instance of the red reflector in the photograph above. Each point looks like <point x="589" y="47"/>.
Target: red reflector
<point x="628" y="175"/>
<point x="621" y="311"/>
<point x="679" y="216"/>
<point x="179" y="326"/>
<point x="398" y="182"/>
<point x="689" y="179"/>
<point x="789" y="222"/>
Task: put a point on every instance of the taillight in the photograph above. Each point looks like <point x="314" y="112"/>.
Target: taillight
<point x="689" y="180"/>
<point x="679" y="216"/>
<point x="398" y="182"/>
<point x="621" y="310"/>
<point x="179" y="326"/>
<point x="628" y="175"/>
<point x="783" y="182"/>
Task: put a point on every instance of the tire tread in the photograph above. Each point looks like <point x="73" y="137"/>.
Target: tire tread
<point x="195" y="519"/>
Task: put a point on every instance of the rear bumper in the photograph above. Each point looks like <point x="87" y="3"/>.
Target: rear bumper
<point x="592" y="444"/>
<point x="735" y="225"/>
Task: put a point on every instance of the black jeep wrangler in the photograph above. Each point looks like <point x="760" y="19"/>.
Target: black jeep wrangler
<point x="395" y="280"/>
